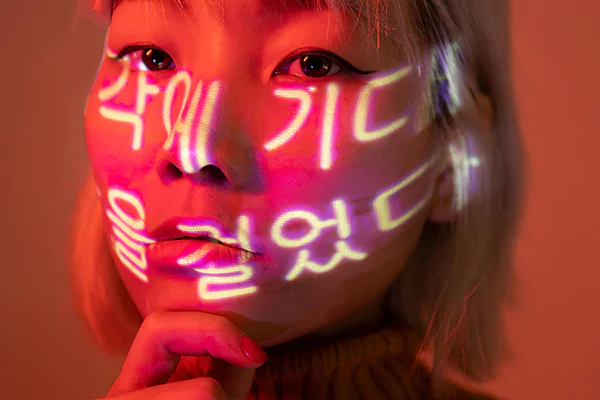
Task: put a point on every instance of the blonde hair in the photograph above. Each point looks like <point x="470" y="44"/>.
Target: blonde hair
<point x="453" y="289"/>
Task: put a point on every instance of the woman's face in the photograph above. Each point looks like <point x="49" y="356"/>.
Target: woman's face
<point x="291" y="140"/>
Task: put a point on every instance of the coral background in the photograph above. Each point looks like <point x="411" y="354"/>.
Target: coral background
<point x="48" y="60"/>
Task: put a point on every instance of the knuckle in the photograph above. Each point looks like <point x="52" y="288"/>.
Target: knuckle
<point x="153" y="322"/>
<point x="221" y="324"/>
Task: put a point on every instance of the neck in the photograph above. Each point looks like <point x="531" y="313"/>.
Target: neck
<point x="371" y="317"/>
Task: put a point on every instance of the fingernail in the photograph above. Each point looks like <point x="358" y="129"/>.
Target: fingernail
<point x="252" y="351"/>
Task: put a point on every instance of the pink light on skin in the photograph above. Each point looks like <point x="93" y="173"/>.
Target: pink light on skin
<point x="363" y="106"/>
<point x="183" y="127"/>
<point x="381" y="204"/>
<point x="303" y="262"/>
<point x="180" y="77"/>
<point x="343" y="250"/>
<point x="242" y="274"/>
<point x="127" y="117"/>
<point x="112" y="90"/>
<point x="331" y="100"/>
<point x="145" y="89"/>
<point x="128" y="241"/>
<point x="297" y="122"/>
<point x="207" y="280"/>
<point x="341" y="221"/>
<point x="193" y="144"/>
<point x="243" y="232"/>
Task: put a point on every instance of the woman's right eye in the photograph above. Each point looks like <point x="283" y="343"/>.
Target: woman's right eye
<point x="147" y="59"/>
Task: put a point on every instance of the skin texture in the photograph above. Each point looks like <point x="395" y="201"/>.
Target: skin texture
<point x="240" y="49"/>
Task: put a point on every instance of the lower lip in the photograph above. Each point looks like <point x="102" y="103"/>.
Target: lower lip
<point x="195" y="255"/>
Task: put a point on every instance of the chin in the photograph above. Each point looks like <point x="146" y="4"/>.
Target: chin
<point x="266" y="325"/>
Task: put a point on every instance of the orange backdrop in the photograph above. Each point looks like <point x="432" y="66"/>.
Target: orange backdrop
<point x="48" y="61"/>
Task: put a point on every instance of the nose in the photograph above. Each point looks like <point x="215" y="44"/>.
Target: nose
<point x="203" y="144"/>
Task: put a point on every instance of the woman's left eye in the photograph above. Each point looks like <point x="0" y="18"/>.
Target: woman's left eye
<point x="147" y="59"/>
<point x="314" y="64"/>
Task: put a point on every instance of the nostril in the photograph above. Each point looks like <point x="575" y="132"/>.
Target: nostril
<point x="213" y="174"/>
<point x="171" y="172"/>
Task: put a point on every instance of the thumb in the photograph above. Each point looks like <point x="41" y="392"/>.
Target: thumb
<point x="236" y="381"/>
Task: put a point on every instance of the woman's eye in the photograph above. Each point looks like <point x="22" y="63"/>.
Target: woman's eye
<point x="314" y="64"/>
<point x="148" y="59"/>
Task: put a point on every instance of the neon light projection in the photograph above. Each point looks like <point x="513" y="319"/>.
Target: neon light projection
<point x="129" y="242"/>
<point x="361" y="116"/>
<point x="243" y="232"/>
<point x="220" y="282"/>
<point x="120" y="114"/>
<point x="228" y="275"/>
<point x="381" y="204"/>
<point x="363" y="106"/>
<point x="299" y="120"/>
<point x="303" y="261"/>
<point x="191" y="160"/>
<point x="129" y="239"/>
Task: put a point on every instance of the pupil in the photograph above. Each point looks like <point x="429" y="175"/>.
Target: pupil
<point x="156" y="59"/>
<point x="315" y="66"/>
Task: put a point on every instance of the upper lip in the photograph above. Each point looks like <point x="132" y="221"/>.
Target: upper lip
<point x="169" y="230"/>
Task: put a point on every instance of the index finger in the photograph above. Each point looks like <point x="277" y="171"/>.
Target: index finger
<point x="166" y="336"/>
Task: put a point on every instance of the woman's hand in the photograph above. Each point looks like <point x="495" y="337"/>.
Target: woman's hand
<point x="166" y="336"/>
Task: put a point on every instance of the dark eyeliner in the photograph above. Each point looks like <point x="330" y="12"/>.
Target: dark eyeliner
<point x="138" y="46"/>
<point x="321" y="52"/>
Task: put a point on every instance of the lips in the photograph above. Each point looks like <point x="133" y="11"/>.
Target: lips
<point x="202" y="229"/>
<point x="199" y="255"/>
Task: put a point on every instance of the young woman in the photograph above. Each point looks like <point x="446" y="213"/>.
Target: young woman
<point x="333" y="182"/>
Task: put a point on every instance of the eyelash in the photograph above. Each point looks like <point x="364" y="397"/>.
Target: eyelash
<point x="344" y="65"/>
<point x="282" y="68"/>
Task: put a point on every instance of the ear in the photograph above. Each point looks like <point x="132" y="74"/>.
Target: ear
<point x="444" y="207"/>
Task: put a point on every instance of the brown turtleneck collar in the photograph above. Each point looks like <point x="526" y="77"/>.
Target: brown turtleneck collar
<point x="374" y="366"/>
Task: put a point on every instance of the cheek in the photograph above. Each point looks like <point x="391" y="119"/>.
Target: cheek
<point x="122" y="144"/>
